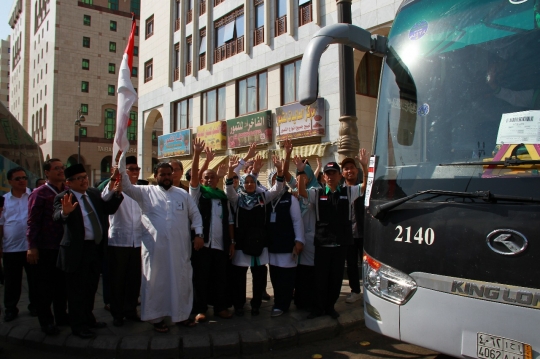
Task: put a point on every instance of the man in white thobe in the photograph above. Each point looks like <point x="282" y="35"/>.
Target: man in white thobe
<point x="168" y="215"/>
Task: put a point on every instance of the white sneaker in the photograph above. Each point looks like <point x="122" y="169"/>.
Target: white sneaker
<point x="353" y="297"/>
<point x="276" y="312"/>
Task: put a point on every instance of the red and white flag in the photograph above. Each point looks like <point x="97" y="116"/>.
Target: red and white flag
<point x="126" y="98"/>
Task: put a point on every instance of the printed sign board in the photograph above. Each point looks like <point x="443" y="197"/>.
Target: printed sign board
<point x="245" y="130"/>
<point x="296" y="120"/>
<point x="214" y="135"/>
<point x="175" y="144"/>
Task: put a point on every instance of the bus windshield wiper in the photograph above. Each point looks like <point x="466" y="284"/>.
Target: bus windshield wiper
<point x="379" y="210"/>
<point x="510" y="161"/>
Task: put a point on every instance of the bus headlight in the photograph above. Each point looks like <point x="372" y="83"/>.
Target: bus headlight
<point x="387" y="282"/>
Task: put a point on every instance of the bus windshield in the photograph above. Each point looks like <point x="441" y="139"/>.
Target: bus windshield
<point x="460" y="89"/>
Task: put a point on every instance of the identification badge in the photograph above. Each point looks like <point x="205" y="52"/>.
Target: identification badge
<point x="324" y="198"/>
<point x="179" y="206"/>
<point x="273" y="217"/>
<point x="342" y="197"/>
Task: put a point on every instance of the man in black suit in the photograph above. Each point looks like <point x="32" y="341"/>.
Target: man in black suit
<point x="84" y="215"/>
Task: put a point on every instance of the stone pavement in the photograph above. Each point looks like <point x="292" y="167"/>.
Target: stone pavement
<point x="214" y="338"/>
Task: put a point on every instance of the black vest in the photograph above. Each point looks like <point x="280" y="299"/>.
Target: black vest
<point x="205" y="207"/>
<point x="250" y="230"/>
<point x="281" y="230"/>
<point x="333" y="225"/>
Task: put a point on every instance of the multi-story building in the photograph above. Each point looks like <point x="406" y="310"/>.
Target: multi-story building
<point x="238" y="61"/>
<point x="66" y="58"/>
<point x="5" y="53"/>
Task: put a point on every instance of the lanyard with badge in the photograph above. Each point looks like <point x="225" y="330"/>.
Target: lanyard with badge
<point x="273" y="215"/>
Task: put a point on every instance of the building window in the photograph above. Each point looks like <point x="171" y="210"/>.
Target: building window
<point x="176" y="62"/>
<point x="86" y="42"/>
<point x="85" y="64"/>
<point x="189" y="11"/>
<point x="281" y="18"/>
<point x="202" y="49"/>
<point x="368" y="75"/>
<point x="135" y="7"/>
<point x="305" y="12"/>
<point x="290" y="83"/>
<point x="132" y="129"/>
<point x="113" y="4"/>
<point x="213" y="105"/>
<point x="137" y="30"/>
<point x="189" y="41"/>
<point x="111" y="91"/>
<point x="135" y="71"/>
<point x="84" y="86"/>
<point x="88" y="2"/>
<point x="112" y="25"/>
<point x="177" y="15"/>
<point x="83" y="131"/>
<point x="258" y="35"/>
<point x="252" y="94"/>
<point x="148" y="70"/>
<point x="135" y="50"/>
<point x="217" y="2"/>
<point x="183" y="114"/>
<point x="110" y="123"/>
<point x="87" y="20"/>
<point x="229" y="35"/>
<point x="202" y="7"/>
<point x="112" y="68"/>
<point x="84" y="108"/>
<point x="112" y="46"/>
<point x="149" y="26"/>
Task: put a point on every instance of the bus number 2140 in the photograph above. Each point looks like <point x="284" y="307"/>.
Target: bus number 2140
<point x="421" y="236"/>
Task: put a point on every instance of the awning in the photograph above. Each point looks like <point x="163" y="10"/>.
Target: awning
<point x="307" y="150"/>
<point x="186" y="164"/>
<point x="263" y="153"/>
<point x="214" y="163"/>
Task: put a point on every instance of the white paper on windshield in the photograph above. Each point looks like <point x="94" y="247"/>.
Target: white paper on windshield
<point x="371" y="176"/>
<point x="519" y="127"/>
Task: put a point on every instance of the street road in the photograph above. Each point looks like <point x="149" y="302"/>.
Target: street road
<point x="358" y="344"/>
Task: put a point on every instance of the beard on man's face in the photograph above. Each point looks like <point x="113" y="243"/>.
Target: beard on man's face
<point x="166" y="184"/>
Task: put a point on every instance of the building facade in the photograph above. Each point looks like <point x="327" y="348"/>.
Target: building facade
<point x="226" y="60"/>
<point x="66" y="58"/>
<point x="5" y="60"/>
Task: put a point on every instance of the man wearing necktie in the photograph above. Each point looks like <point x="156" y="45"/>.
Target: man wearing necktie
<point x="84" y="214"/>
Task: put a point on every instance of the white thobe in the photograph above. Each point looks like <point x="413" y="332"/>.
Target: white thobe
<point x="166" y="287"/>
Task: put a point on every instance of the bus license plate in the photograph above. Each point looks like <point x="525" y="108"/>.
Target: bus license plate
<point x="494" y="347"/>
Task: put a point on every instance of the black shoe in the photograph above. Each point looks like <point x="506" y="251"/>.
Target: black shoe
<point x="10" y="316"/>
<point x="85" y="334"/>
<point x="255" y="312"/>
<point x="133" y="318"/>
<point x="118" y="322"/>
<point x="265" y="296"/>
<point x="50" y="329"/>
<point x="98" y="325"/>
<point x="239" y="312"/>
<point x="332" y="312"/>
<point x="314" y="314"/>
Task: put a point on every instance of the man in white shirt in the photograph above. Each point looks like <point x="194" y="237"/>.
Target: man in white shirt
<point x="124" y="253"/>
<point x="13" y="225"/>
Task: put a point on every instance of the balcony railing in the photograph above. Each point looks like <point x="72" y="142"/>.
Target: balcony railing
<point x="258" y="36"/>
<point x="188" y="68"/>
<point x="281" y="25"/>
<point x="189" y="16"/>
<point x="202" y="61"/>
<point x="217" y="2"/>
<point x="177" y="25"/>
<point x="229" y="49"/>
<point x="177" y="74"/>
<point x="202" y="7"/>
<point x="306" y="14"/>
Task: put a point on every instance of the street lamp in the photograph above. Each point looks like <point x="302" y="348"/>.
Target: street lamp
<point x="80" y="118"/>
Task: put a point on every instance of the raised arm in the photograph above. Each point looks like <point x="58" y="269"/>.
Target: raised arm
<point x="210" y="155"/>
<point x="276" y="189"/>
<point x="251" y="153"/>
<point x="198" y="147"/>
<point x="319" y="167"/>
<point x="363" y="158"/>
<point x="302" y="177"/>
<point x="232" y="195"/>
<point x="288" y="151"/>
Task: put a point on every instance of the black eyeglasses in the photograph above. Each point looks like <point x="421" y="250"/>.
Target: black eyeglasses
<point x="80" y="178"/>
<point x="21" y="178"/>
<point x="58" y="168"/>
<point x="133" y="168"/>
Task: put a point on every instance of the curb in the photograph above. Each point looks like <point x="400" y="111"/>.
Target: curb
<point x="191" y="346"/>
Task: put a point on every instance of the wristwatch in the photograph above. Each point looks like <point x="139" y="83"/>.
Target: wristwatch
<point x="200" y="235"/>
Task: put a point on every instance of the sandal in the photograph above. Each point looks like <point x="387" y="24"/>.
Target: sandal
<point x="161" y="327"/>
<point x="189" y="323"/>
